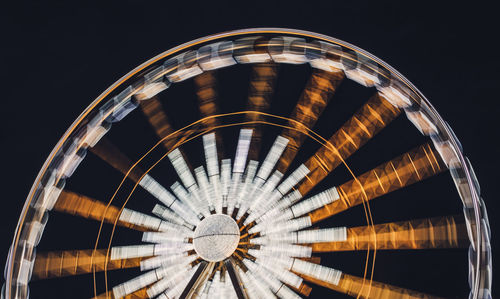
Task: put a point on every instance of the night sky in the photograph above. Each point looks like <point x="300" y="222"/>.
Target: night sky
<point x="58" y="57"/>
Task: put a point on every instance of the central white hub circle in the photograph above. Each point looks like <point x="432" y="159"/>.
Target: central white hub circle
<point x="216" y="237"/>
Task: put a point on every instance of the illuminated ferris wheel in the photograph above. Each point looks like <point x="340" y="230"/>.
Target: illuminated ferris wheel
<point x="262" y="178"/>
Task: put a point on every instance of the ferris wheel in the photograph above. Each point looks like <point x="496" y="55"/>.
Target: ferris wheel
<point x="257" y="163"/>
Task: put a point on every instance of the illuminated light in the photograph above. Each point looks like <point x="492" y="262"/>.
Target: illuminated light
<point x="251" y="50"/>
<point x="242" y="150"/>
<point x="188" y="199"/>
<point x="324" y="56"/>
<point x="280" y="272"/>
<point x="238" y="167"/>
<point x="258" y="288"/>
<point x="76" y="262"/>
<point x="370" y="119"/>
<point x="365" y="72"/>
<point x="95" y="133"/>
<point x="396" y="95"/>
<point x="272" y="157"/>
<point x="153" y="84"/>
<point x="260" y="193"/>
<point x="153" y="110"/>
<point x="150" y="222"/>
<point x="207" y="99"/>
<point x="286" y="226"/>
<point x="180" y="284"/>
<point x="206" y="191"/>
<point x="288" y="50"/>
<point x="216" y="55"/>
<point x="210" y="148"/>
<point x="245" y="189"/>
<point x="285" y="250"/>
<point x="442" y="232"/>
<point x="134" y="284"/>
<point x="315" y="202"/>
<point x="120" y="106"/>
<point x="319" y="272"/>
<point x="363" y="288"/>
<point x="402" y="171"/>
<point x="267" y="278"/>
<point x="169" y="281"/>
<point x="182" y="67"/>
<point x="281" y="190"/>
<point x="171" y="216"/>
<point x="334" y="234"/>
<point x="447" y="152"/>
<point x="225" y="180"/>
<point x="280" y="206"/>
<point x="86" y="207"/>
<point x="165" y="237"/>
<point x="181" y="168"/>
<point x="422" y="122"/>
<point x="316" y="95"/>
<point x="150" y="90"/>
<point x="262" y="83"/>
<point x="168" y="261"/>
<point x="50" y="193"/>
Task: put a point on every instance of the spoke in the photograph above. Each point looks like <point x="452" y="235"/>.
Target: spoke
<point x="175" y="290"/>
<point x="153" y="110"/>
<point x="259" y="99"/>
<point x="240" y="161"/>
<point x="207" y="101"/>
<point x="411" y="167"/>
<point x="75" y="262"/>
<point x="212" y="161"/>
<point x="89" y="208"/>
<point x="442" y="232"/>
<point x="192" y="288"/>
<point x="235" y="279"/>
<point x="135" y="284"/>
<point x="182" y="169"/>
<point x="136" y="251"/>
<point x="358" y="287"/>
<point x="370" y="119"/>
<point x="114" y="157"/>
<point x="313" y="101"/>
<point x="266" y="278"/>
<point x="110" y="154"/>
<point x="155" y="282"/>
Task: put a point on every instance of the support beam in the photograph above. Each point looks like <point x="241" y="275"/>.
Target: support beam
<point x="195" y="282"/>
<point x="317" y="93"/>
<point x="358" y="287"/>
<point x="75" y="262"/>
<point x="370" y="119"/>
<point x="153" y="110"/>
<point x="439" y="232"/>
<point x="259" y="99"/>
<point x="110" y="154"/>
<point x="411" y="167"/>
<point x="89" y="208"/>
<point x="235" y="279"/>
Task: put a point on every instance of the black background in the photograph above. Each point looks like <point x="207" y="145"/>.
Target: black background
<point x="58" y="56"/>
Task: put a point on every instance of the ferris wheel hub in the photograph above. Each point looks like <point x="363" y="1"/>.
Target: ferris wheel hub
<point x="216" y="237"/>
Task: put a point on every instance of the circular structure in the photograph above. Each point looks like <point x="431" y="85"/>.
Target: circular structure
<point x="216" y="237"/>
<point x="293" y="160"/>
